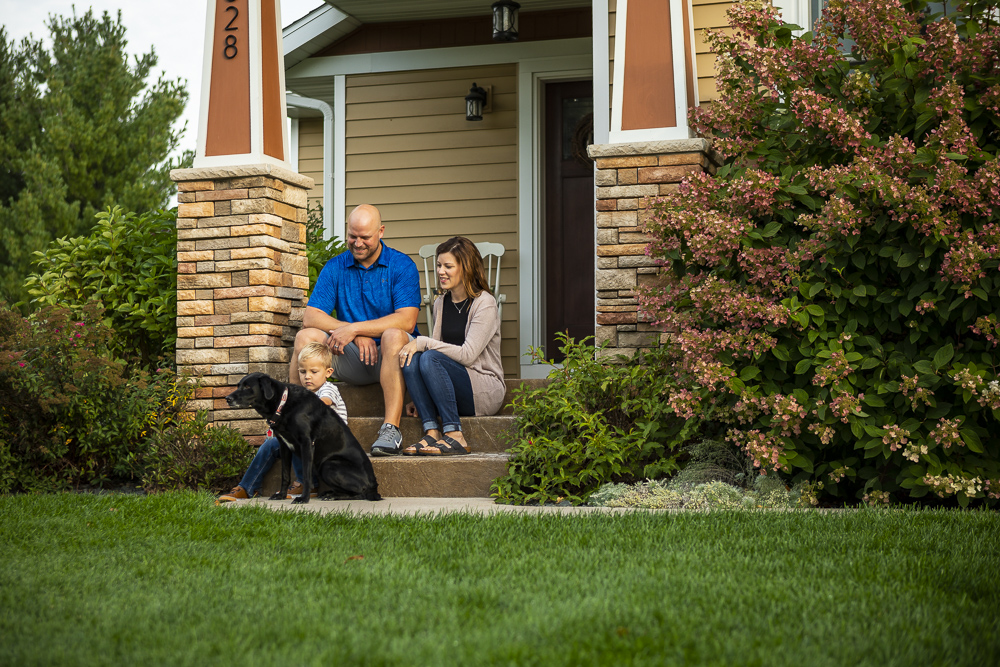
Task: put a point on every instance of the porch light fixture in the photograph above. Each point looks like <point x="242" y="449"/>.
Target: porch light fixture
<point x="505" y="21"/>
<point x="474" y="103"/>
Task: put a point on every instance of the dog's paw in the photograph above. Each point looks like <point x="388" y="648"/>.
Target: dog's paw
<point x="298" y="500"/>
<point x="280" y="495"/>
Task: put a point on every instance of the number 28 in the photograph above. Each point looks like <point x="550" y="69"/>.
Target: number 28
<point x="229" y="51"/>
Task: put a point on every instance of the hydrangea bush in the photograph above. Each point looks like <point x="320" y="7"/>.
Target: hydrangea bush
<point x="835" y="285"/>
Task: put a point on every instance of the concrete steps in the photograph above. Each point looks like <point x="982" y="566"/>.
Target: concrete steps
<point x="468" y="476"/>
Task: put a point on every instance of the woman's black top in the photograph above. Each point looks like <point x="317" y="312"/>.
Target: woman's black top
<point x="454" y="320"/>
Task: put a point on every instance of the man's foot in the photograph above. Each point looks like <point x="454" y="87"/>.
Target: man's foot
<point x="238" y="493"/>
<point x="388" y="442"/>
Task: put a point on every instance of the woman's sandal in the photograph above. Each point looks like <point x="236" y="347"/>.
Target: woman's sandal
<point x="447" y="447"/>
<point x="414" y="450"/>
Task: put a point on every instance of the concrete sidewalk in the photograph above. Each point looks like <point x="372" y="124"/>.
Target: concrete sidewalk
<point x="417" y="506"/>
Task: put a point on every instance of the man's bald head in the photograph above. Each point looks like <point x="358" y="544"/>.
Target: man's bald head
<point x="364" y="234"/>
<point x="365" y="214"/>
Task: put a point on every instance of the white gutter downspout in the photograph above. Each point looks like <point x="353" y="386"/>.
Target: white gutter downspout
<point x="320" y="105"/>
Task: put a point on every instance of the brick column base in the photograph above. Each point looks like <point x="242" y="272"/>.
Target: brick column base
<point x="242" y="275"/>
<point x="628" y="175"/>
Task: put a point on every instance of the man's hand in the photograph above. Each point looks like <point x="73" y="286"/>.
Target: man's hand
<point x="340" y="338"/>
<point x="411" y="409"/>
<point x="367" y="349"/>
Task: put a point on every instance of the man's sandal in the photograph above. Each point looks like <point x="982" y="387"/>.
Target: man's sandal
<point x="426" y="441"/>
<point x="447" y="447"/>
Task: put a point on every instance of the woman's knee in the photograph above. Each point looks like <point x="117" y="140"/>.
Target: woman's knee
<point x="431" y="359"/>
<point x="412" y="369"/>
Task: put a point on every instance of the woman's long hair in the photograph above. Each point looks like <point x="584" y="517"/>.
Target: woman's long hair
<point x="467" y="254"/>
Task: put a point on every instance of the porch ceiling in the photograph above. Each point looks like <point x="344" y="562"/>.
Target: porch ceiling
<point x="379" y="11"/>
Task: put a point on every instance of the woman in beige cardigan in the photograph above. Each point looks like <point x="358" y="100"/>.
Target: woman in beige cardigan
<point x="455" y="372"/>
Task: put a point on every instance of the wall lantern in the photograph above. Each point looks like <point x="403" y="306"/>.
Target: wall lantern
<point x="474" y="103"/>
<point x="505" y="21"/>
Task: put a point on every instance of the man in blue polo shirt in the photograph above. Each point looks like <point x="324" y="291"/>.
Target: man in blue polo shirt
<point x="375" y="292"/>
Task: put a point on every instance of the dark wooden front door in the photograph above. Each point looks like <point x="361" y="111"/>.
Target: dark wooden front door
<point x="569" y="213"/>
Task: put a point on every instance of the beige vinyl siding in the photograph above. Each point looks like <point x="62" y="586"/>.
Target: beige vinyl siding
<point x="433" y="174"/>
<point x="311" y="156"/>
<point x="706" y="14"/>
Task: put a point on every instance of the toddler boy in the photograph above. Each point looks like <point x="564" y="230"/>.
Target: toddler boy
<point x="315" y="368"/>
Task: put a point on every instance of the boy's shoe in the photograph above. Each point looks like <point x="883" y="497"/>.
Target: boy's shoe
<point x="389" y="441"/>
<point x="296" y="490"/>
<point x="238" y="493"/>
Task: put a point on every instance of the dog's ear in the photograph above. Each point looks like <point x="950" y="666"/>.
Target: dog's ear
<point x="267" y="385"/>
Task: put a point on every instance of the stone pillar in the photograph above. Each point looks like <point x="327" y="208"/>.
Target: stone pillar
<point x="242" y="275"/>
<point x="628" y="175"/>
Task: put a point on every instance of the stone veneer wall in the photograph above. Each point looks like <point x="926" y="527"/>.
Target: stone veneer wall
<point x="242" y="275"/>
<point x="628" y="175"/>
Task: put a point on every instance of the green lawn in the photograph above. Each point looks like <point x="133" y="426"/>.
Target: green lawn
<point x="172" y="580"/>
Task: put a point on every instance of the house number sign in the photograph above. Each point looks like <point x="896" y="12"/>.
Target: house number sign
<point x="231" y="48"/>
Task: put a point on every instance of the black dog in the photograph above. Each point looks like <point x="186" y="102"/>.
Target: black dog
<point x="307" y="426"/>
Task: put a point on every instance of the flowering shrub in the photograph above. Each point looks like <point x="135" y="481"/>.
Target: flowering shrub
<point x="840" y="271"/>
<point x="72" y="412"/>
<point x="595" y="423"/>
<point x="69" y="409"/>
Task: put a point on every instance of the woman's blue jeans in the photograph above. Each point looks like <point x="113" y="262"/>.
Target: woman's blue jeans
<point x="439" y="386"/>
<point x="267" y="455"/>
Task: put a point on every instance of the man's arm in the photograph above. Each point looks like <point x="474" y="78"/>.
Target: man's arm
<point x="314" y="318"/>
<point x="404" y="318"/>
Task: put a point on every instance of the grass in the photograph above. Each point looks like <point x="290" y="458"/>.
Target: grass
<point x="174" y="580"/>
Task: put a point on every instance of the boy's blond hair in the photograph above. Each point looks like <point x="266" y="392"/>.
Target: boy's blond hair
<point x="317" y="351"/>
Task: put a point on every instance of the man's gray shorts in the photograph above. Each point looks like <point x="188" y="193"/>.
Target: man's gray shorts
<point x="349" y="368"/>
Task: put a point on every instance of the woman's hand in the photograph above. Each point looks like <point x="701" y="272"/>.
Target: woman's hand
<point x="407" y="353"/>
<point x="411" y="409"/>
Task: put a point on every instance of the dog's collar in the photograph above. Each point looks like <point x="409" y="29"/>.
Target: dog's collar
<point x="277" y="413"/>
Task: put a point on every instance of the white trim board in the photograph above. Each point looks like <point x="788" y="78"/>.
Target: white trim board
<point x="465" y="56"/>
<point x="619" y="136"/>
<point x="531" y="75"/>
<point x="602" y="73"/>
<point x="339" y="156"/>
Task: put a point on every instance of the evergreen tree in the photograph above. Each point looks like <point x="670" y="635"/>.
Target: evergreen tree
<point x="80" y="130"/>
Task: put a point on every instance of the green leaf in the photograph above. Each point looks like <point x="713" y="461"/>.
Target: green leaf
<point x="971" y="440"/>
<point x="771" y="229"/>
<point x="943" y="356"/>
